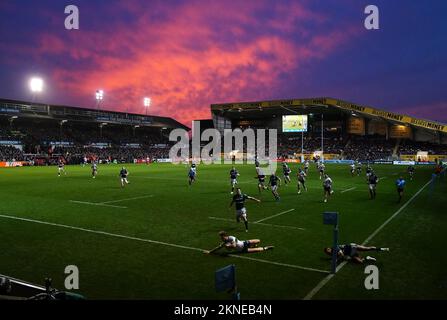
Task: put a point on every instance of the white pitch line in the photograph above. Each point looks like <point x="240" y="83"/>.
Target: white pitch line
<point x="127" y="199"/>
<point x="155" y="242"/>
<point x="97" y="204"/>
<point x="348" y="189"/>
<point x="279" y="264"/>
<point x="323" y="282"/>
<point x="275" y="215"/>
<point x="261" y="224"/>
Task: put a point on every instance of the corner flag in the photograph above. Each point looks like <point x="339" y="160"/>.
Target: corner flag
<point x="225" y="278"/>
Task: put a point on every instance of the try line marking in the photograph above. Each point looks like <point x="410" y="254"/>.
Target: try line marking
<point x="323" y="282"/>
<point x="260" y="223"/>
<point x="115" y="235"/>
<point x="275" y="215"/>
<point x="107" y="203"/>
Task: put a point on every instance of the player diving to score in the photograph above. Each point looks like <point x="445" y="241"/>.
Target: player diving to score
<point x="351" y="252"/>
<point x="241" y="212"/>
<point x="240" y="246"/>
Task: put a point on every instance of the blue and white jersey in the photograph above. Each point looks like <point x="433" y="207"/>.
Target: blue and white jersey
<point x="400" y="183"/>
<point x="327" y="183"/>
<point x="231" y="242"/>
<point x="233" y="174"/>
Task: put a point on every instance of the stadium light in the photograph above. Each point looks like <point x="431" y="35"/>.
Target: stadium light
<point x="147" y="103"/>
<point x="99" y="95"/>
<point x="36" y="85"/>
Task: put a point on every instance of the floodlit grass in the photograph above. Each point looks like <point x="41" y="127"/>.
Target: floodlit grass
<point x="158" y="205"/>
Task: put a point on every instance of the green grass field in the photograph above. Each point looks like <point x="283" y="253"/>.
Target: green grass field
<point x="145" y="241"/>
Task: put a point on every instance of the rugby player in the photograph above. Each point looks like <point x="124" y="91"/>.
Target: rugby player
<point x="327" y="186"/>
<point x="321" y="169"/>
<point x="240" y="246"/>
<point x="352" y="169"/>
<point x="359" y="168"/>
<point x="61" y="168"/>
<point x="410" y="170"/>
<point x="123" y="176"/>
<point x="261" y="179"/>
<point x="372" y="184"/>
<point x="369" y="170"/>
<point x="306" y="166"/>
<point x="400" y="184"/>
<point x="192" y="174"/>
<point x="239" y="201"/>
<point x="351" y="252"/>
<point x="275" y="183"/>
<point x="94" y="170"/>
<point x="286" y="172"/>
<point x="233" y="178"/>
<point x="301" y="180"/>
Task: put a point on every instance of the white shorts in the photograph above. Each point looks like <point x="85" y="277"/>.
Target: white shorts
<point x="372" y="186"/>
<point x="233" y="181"/>
<point x="275" y="187"/>
<point x="241" y="214"/>
<point x="124" y="180"/>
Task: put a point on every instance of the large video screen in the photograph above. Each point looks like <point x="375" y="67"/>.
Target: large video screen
<point x="294" y="123"/>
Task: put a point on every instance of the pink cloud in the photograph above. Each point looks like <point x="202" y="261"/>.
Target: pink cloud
<point x="197" y="56"/>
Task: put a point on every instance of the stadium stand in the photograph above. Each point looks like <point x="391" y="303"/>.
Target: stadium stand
<point x="338" y="129"/>
<point x="43" y="134"/>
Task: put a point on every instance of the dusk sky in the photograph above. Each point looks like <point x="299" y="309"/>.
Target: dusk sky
<point x="186" y="55"/>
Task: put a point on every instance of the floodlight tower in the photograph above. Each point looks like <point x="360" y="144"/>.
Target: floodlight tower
<point x="147" y="103"/>
<point x="36" y="86"/>
<point x="99" y="95"/>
